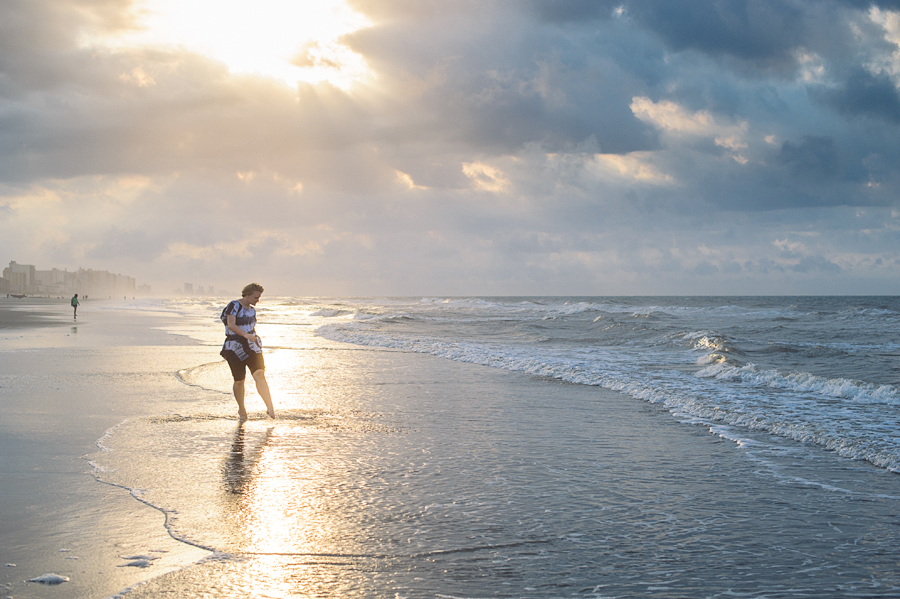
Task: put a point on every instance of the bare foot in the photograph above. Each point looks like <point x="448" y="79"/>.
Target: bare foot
<point x="271" y="412"/>
<point x="242" y="414"/>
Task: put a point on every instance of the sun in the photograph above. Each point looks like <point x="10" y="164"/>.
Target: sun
<point x="292" y="40"/>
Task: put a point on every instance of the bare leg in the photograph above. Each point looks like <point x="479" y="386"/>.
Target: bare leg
<point x="239" y="397"/>
<point x="262" y="386"/>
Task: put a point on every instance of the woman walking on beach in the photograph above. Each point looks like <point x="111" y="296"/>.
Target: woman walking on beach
<point x="243" y="348"/>
<point x="75" y="306"/>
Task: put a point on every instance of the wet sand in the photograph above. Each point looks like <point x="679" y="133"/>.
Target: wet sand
<point x="60" y="390"/>
<point x="26" y="313"/>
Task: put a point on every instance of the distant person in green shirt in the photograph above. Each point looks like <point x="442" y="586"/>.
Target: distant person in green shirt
<point x="75" y="305"/>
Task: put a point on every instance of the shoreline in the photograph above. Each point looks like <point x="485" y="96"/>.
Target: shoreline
<point x="396" y="468"/>
<point x="488" y="477"/>
<point x="59" y="397"/>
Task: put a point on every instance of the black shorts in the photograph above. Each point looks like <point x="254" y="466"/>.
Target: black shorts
<point x="239" y="369"/>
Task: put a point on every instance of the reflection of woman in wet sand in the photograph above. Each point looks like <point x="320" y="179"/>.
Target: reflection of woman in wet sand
<point x="238" y="469"/>
<point x="243" y="348"/>
<point x="245" y="500"/>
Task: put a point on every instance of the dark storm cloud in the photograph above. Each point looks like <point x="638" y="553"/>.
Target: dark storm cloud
<point x="749" y="29"/>
<point x="761" y="32"/>
<point x="724" y="16"/>
<point x="492" y="79"/>
<point x="584" y="63"/>
<point x="864" y="94"/>
<point x="814" y="157"/>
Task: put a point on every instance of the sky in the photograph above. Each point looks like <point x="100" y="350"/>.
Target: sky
<point x="456" y="147"/>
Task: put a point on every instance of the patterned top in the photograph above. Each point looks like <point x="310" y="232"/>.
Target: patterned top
<point x="245" y="319"/>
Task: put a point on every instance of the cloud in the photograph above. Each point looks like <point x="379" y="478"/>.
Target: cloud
<point x="748" y="29"/>
<point x="495" y="147"/>
<point x="476" y="88"/>
<point x="814" y="156"/>
<point x="673" y="120"/>
<point x="863" y="94"/>
<point x="567" y="11"/>
<point x="816" y="264"/>
<point x="484" y="177"/>
<point x="118" y="243"/>
<point x="633" y="167"/>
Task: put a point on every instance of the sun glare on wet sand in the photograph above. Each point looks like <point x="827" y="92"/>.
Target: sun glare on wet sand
<point x="292" y="40"/>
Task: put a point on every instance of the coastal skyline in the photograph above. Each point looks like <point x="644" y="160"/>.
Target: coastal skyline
<point x="457" y="148"/>
<point x="28" y="279"/>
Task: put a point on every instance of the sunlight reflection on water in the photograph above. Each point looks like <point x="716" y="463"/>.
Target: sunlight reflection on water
<point x="388" y="474"/>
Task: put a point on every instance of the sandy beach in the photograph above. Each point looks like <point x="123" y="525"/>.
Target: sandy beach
<point x="393" y="474"/>
<point x="26" y="313"/>
<point x="59" y="392"/>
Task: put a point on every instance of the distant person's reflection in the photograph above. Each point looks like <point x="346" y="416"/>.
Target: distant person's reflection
<point x="240" y="466"/>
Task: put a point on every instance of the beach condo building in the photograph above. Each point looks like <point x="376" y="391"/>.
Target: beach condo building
<point x="103" y="282"/>
<point x="53" y="281"/>
<point x="20" y="276"/>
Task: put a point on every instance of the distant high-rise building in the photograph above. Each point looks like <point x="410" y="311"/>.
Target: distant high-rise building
<point x="20" y="276"/>
<point x="189" y="288"/>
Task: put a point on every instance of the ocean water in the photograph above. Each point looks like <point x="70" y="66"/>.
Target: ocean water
<point x="545" y="447"/>
<point x="820" y="370"/>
